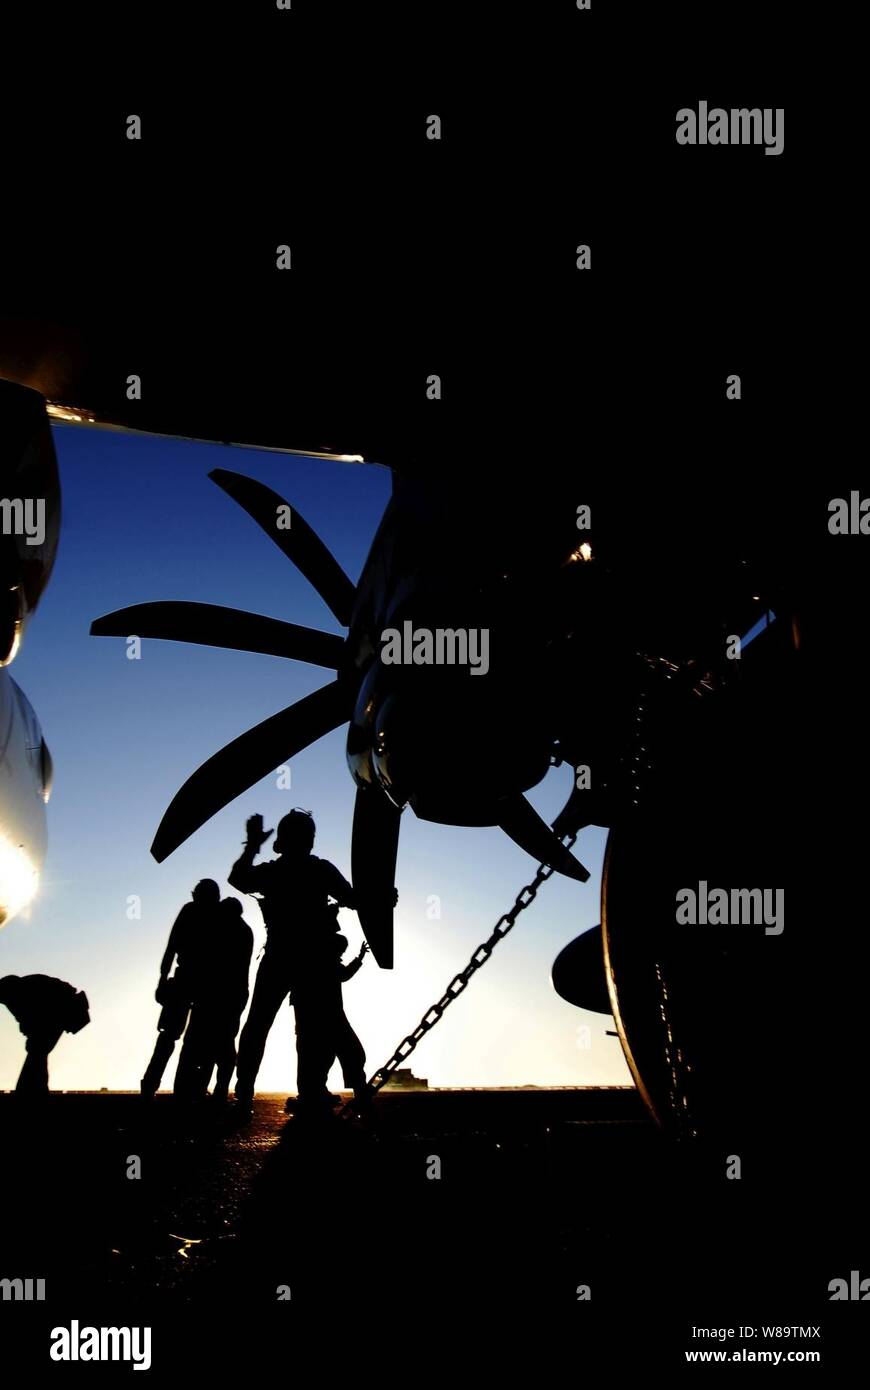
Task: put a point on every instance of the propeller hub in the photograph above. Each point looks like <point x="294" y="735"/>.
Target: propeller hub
<point x="451" y="743"/>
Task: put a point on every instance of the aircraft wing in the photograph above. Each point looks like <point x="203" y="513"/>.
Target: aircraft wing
<point x="192" y="387"/>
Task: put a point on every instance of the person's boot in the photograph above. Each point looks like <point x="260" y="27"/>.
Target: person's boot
<point x="363" y="1103"/>
<point x="314" y="1108"/>
<point x="244" y="1100"/>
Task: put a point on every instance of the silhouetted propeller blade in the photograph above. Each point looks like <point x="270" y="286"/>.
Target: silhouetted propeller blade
<point x="578" y="973"/>
<point x="520" y="820"/>
<point x="373" y="869"/>
<point x="248" y="758"/>
<point x="574" y="815"/>
<point x="300" y="544"/>
<point x="210" y="625"/>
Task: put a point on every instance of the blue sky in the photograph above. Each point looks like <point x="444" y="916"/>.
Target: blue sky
<point x="142" y="521"/>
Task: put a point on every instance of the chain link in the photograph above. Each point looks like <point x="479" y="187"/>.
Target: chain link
<point x="479" y="957"/>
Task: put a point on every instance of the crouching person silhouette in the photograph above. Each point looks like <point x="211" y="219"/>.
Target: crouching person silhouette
<point x="188" y="941"/>
<point x="294" y="892"/>
<point x="44" y="1008"/>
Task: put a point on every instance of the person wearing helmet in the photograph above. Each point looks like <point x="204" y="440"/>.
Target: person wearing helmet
<point x="294" y="891"/>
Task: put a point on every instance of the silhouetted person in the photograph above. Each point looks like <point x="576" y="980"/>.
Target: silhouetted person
<point x="187" y="941"/>
<point x="221" y="994"/>
<point x="348" y="1048"/>
<point x="294" y="892"/>
<point x="44" y="1008"/>
<point x="339" y="1038"/>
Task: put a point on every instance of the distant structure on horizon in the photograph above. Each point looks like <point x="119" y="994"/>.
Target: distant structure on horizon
<point x="403" y="1079"/>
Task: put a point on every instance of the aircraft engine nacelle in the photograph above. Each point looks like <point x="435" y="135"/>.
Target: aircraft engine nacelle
<point x="29" y="527"/>
<point x="29" y="510"/>
<point x="25" y="785"/>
